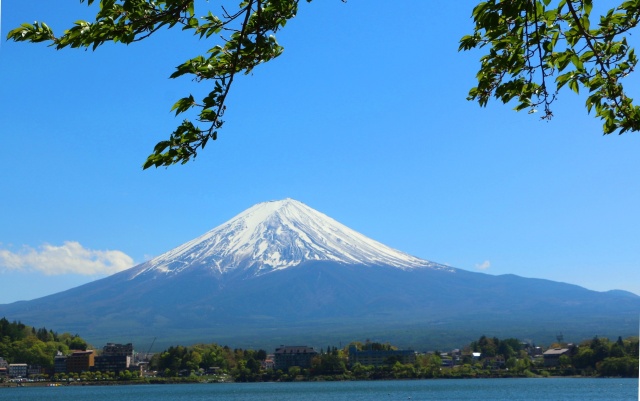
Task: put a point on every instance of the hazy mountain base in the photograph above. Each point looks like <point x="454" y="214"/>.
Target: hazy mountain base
<point x="321" y="303"/>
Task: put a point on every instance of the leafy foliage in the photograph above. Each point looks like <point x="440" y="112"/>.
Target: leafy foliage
<point x="245" y="38"/>
<point x="180" y="360"/>
<point x="606" y="358"/>
<point x="597" y="357"/>
<point x="23" y="344"/>
<point x="532" y="43"/>
<point x="333" y="362"/>
<point x="491" y="347"/>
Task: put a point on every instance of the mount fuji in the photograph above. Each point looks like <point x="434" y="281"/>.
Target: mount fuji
<point x="274" y="236"/>
<point x="283" y="272"/>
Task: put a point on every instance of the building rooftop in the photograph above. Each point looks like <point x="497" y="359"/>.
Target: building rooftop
<point x="295" y="349"/>
<point x="556" y="351"/>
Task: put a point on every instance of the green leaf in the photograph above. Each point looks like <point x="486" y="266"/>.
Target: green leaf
<point x="183" y="104"/>
<point x="573" y="85"/>
<point x="575" y="60"/>
<point x="208" y="115"/>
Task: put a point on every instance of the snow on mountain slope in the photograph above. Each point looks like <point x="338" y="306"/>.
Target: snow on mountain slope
<point x="276" y="235"/>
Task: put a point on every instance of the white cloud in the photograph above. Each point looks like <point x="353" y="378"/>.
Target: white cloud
<point x="69" y="258"/>
<point x="484" y="265"/>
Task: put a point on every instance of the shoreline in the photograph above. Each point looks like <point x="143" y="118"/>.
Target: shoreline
<point x="163" y="382"/>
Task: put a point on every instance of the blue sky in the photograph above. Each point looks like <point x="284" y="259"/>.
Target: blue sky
<point x="364" y="118"/>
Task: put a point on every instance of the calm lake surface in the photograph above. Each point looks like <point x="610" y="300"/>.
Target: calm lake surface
<point x="557" y="389"/>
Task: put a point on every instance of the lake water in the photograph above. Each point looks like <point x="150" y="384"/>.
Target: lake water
<point x="557" y="389"/>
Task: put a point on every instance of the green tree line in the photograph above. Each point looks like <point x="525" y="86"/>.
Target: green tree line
<point x="243" y="365"/>
<point x="20" y="343"/>
<point x="603" y="357"/>
<point x="596" y="357"/>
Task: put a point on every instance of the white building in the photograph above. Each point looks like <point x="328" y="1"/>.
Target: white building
<point x="18" y="370"/>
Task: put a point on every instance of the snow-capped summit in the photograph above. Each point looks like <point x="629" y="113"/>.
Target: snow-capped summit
<point x="276" y="235"/>
<point x="234" y="285"/>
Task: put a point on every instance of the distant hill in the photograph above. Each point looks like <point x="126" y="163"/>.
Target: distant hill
<point x="283" y="273"/>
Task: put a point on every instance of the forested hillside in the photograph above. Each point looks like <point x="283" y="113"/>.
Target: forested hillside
<point x="20" y="343"/>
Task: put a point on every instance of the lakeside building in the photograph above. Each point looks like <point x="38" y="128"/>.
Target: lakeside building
<point x="80" y="361"/>
<point x="552" y="356"/>
<point x="269" y="362"/>
<point x="114" y="358"/>
<point x="4" y="368"/>
<point x="297" y="355"/>
<point x="17" y="370"/>
<point x="379" y="358"/>
<point x="35" y="370"/>
<point x="118" y="349"/>
<point x="59" y="363"/>
<point x="494" y="362"/>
